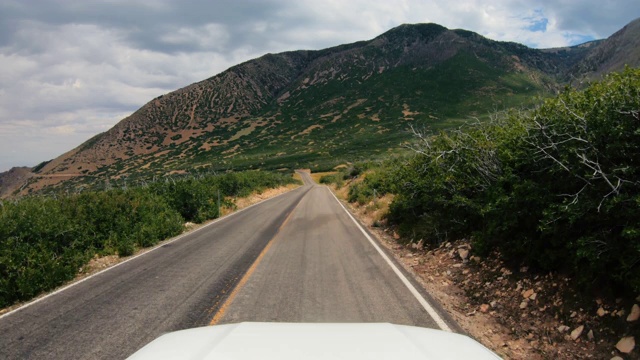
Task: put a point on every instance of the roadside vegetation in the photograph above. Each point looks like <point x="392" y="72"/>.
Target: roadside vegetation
<point x="555" y="188"/>
<point x="44" y="241"/>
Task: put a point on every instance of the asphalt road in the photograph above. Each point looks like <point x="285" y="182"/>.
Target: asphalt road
<point x="297" y="257"/>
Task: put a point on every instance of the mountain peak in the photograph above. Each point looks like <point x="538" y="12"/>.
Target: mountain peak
<point x="422" y="30"/>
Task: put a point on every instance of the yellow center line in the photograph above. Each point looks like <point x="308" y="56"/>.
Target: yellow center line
<point x="222" y="310"/>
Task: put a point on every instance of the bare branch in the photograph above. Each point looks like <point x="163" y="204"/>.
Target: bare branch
<point x="575" y="196"/>
<point x="572" y="112"/>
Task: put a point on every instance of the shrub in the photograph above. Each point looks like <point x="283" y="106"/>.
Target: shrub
<point x="555" y="187"/>
<point x="194" y="200"/>
<point x="39" y="248"/>
<point x="337" y="178"/>
<point x="45" y="241"/>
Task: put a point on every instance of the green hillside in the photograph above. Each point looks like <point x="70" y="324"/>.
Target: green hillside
<point x="317" y="109"/>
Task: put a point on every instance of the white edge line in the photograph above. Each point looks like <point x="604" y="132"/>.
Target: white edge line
<point x="165" y="242"/>
<point x="425" y="304"/>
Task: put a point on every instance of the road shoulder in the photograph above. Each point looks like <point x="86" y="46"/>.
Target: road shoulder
<point x="444" y="294"/>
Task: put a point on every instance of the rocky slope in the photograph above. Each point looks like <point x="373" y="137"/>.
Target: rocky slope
<point x="620" y="50"/>
<point x="316" y="108"/>
<point x="11" y="180"/>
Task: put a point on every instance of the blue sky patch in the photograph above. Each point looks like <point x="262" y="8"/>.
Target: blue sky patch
<point x="538" y="25"/>
<point x="537" y="21"/>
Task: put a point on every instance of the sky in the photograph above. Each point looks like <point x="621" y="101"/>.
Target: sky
<point x="74" y="68"/>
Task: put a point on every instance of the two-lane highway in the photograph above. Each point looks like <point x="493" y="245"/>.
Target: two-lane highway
<point x="321" y="268"/>
<point x="297" y="257"/>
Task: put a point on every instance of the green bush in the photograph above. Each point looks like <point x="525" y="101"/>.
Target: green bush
<point x="337" y="178"/>
<point x="555" y="187"/>
<point x="375" y="183"/>
<point x="45" y="241"/>
<point x="585" y="155"/>
<point x="439" y="191"/>
<point x="39" y="248"/>
<point x="195" y="200"/>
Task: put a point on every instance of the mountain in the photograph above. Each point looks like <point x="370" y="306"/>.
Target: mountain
<point x="320" y="108"/>
<point x="11" y="180"/>
<point x="619" y="50"/>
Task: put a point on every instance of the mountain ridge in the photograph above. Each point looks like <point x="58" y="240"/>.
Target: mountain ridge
<point x="300" y="107"/>
<point x="621" y="49"/>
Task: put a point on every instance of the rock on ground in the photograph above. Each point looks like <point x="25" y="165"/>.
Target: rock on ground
<point x="577" y="332"/>
<point x="634" y="314"/>
<point x="626" y="344"/>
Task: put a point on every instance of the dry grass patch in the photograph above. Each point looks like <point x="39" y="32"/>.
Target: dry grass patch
<point x="241" y="203"/>
<point x="307" y="131"/>
<point x="248" y="130"/>
<point x="357" y="103"/>
<point x="408" y="114"/>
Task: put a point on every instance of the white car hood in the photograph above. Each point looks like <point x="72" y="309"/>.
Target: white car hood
<point x="313" y="341"/>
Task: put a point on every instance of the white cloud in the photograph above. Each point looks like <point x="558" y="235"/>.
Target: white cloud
<point x="63" y="130"/>
<point x="208" y="37"/>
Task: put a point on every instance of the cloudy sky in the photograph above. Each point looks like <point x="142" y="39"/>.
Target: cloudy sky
<point x="71" y="69"/>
